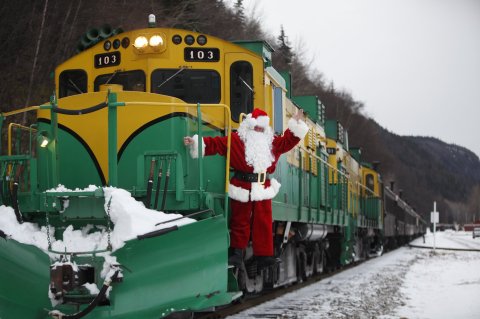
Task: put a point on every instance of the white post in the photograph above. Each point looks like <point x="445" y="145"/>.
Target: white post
<point x="434" y="223"/>
<point x="434" y="218"/>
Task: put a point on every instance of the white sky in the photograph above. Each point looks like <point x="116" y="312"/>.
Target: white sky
<point x="414" y="63"/>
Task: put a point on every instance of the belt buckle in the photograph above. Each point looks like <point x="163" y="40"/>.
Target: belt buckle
<point x="261" y="178"/>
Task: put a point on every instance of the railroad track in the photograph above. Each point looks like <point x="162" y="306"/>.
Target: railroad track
<point x="251" y="301"/>
<point x="441" y="248"/>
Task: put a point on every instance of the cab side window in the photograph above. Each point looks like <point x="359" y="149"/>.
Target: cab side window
<point x="278" y="110"/>
<point x="241" y="89"/>
<point x="370" y="182"/>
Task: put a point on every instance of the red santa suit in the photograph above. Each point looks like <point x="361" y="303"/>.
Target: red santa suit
<point x="253" y="152"/>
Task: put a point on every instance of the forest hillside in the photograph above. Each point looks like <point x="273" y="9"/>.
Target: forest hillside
<point x="39" y="34"/>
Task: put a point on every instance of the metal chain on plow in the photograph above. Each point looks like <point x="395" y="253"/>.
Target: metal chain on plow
<point x="109" y="230"/>
<point x="47" y="224"/>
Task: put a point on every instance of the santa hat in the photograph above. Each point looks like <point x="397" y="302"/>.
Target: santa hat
<point x="257" y="118"/>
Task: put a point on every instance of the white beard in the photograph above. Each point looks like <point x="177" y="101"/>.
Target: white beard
<point x="258" y="147"/>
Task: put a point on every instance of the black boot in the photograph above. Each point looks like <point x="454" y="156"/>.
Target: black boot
<point x="236" y="257"/>
<point x="266" y="261"/>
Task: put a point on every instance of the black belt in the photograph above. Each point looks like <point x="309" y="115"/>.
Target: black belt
<point x="251" y="177"/>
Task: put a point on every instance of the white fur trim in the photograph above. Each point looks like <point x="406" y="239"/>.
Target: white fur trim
<point x="259" y="192"/>
<point x="238" y="193"/>
<point x="263" y="121"/>
<point x="249" y="122"/>
<point x="194" y="147"/>
<point x="298" y="128"/>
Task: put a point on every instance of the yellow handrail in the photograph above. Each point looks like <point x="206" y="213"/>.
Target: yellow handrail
<point x="22" y="127"/>
<point x="24" y="110"/>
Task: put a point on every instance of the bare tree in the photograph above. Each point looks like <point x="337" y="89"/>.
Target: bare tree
<point x="35" y="58"/>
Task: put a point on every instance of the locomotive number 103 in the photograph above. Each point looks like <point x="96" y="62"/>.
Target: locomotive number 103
<point x="106" y="59"/>
<point x="201" y="55"/>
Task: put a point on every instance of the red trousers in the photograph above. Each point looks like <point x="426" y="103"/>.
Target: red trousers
<point x="254" y="217"/>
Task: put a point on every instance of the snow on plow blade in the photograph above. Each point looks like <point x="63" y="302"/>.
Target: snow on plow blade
<point x="184" y="268"/>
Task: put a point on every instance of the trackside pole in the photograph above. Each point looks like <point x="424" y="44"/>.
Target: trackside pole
<point x="434" y="219"/>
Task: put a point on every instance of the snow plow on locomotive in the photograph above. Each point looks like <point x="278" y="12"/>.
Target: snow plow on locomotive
<point x="106" y="215"/>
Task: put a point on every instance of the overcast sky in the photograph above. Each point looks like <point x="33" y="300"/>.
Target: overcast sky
<point x="415" y="64"/>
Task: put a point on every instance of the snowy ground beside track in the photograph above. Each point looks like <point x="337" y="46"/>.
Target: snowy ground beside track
<point x="411" y="283"/>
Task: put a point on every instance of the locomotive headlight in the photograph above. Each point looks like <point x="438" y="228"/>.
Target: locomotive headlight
<point x="156" y="41"/>
<point x="43" y="140"/>
<point x="140" y="42"/>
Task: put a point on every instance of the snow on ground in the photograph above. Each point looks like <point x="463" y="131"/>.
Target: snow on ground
<point x="411" y="283"/>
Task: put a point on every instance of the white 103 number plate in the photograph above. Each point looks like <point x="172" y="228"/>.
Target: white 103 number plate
<point x="201" y="55"/>
<point x="106" y="59"/>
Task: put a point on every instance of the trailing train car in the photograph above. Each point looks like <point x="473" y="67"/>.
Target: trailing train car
<point x="105" y="214"/>
<point x="402" y="222"/>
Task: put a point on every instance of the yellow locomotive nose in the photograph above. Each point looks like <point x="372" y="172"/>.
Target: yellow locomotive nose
<point x="111" y="87"/>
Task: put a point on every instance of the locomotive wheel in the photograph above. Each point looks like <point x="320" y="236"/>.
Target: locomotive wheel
<point x="319" y="260"/>
<point x="301" y="264"/>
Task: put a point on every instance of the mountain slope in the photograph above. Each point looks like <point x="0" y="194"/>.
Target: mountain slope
<point x="38" y="35"/>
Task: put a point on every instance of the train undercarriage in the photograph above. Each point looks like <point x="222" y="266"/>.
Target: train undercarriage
<point x="303" y="256"/>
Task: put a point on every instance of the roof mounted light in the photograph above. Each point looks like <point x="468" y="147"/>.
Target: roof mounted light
<point x="152" y="21"/>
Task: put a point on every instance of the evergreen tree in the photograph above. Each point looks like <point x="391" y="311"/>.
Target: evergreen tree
<point x="239" y="12"/>
<point x="284" y="49"/>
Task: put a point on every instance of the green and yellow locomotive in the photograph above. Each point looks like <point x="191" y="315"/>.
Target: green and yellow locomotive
<point x="121" y="108"/>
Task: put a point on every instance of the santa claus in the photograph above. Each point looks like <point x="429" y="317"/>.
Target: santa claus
<point x="255" y="151"/>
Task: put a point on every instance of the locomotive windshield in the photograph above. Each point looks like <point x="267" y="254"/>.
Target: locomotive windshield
<point x="191" y="86"/>
<point x="130" y="80"/>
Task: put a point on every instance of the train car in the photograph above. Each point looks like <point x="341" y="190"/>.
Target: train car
<point x="104" y="165"/>
<point x="402" y="222"/>
<point x="362" y="197"/>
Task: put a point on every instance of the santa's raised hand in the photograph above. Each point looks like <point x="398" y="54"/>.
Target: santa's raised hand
<point x="299" y="115"/>
<point x="187" y="140"/>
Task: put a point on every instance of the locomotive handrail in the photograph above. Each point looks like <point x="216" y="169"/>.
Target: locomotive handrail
<point x="406" y="206"/>
<point x="112" y="103"/>
<point x="310" y="153"/>
<point x="368" y="189"/>
<point x="334" y="168"/>
<point x="228" y="124"/>
<point x="4" y="115"/>
<point x="9" y="137"/>
<point x="87" y="110"/>
<point x="24" y="110"/>
<point x="322" y="160"/>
